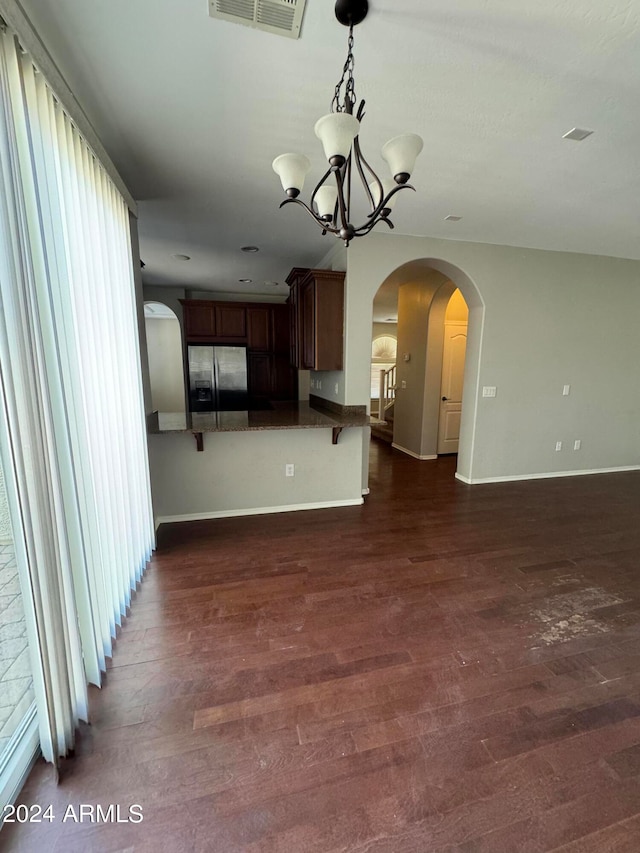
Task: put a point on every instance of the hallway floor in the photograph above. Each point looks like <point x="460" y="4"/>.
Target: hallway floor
<point x="446" y="668"/>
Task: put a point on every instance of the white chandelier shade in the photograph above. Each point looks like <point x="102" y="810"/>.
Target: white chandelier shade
<point x="292" y="170"/>
<point x="387" y="186"/>
<point x="401" y="153"/>
<point x="337" y="131"/>
<point x="326" y="198"/>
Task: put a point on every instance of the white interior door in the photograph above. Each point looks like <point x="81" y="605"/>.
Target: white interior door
<point x="455" y="345"/>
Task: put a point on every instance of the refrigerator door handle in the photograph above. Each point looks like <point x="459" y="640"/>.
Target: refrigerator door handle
<point x="216" y="381"/>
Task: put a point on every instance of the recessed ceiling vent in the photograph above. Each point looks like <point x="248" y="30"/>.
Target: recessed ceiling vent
<point x="282" y="17"/>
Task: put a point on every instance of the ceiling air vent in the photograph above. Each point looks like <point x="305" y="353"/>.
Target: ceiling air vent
<point x="282" y="17"/>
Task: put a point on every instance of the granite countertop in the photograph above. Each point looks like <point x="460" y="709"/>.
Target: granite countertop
<point x="289" y="415"/>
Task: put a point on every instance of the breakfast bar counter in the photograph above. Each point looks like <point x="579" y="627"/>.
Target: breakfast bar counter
<point x="285" y="415"/>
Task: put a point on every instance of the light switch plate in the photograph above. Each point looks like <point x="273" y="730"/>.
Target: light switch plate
<point x="489" y="390"/>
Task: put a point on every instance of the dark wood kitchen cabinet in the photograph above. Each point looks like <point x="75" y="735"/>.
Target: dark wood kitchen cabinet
<point x="262" y="327"/>
<point x="259" y="376"/>
<point x="199" y="319"/>
<point x="280" y="329"/>
<point x="284" y="378"/>
<point x="231" y="322"/>
<point x="270" y="377"/>
<point x="293" y="280"/>
<point x="214" y="322"/>
<point x="316" y="305"/>
<point x="259" y="331"/>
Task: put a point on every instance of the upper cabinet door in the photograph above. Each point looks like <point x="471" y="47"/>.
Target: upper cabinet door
<point x="231" y="321"/>
<point x="280" y="316"/>
<point x="308" y="324"/>
<point x="199" y="320"/>
<point x="316" y="303"/>
<point x="259" y="329"/>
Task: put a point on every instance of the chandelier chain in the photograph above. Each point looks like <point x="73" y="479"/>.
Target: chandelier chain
<point x="347" y="81"/>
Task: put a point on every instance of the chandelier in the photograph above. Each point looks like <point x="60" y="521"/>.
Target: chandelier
<point x="338" y="131"/>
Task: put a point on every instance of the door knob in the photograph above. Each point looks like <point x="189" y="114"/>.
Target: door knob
<point x="444" y="399"/>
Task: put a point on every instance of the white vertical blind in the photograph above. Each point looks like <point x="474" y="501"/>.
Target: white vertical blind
<point x="81" y="305"/>
<point x="30" y="451"/>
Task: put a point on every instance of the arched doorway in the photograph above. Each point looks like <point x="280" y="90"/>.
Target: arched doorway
<point x="166" y="361"/>
<point x="425" y="425"/>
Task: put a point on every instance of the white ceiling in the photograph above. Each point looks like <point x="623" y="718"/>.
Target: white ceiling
<point x="193" y="110"/>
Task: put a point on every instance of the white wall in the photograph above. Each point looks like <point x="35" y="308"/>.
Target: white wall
<point x="244" y="472"/>
<point x="537" y="320"/>
<point x="169" y="296"/>
<point x="166" y="371"/>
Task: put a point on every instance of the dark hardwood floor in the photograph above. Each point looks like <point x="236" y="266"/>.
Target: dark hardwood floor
<point x="447" y="668"/>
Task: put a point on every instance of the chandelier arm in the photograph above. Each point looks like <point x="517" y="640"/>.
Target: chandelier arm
<point x="384" y="201"/>
<point x="341" y="204"/>
<point x="363" y="230"/>
<point x="324" y="225"/>
<point x="348" y="175"/>
<point x="359" y="163"/>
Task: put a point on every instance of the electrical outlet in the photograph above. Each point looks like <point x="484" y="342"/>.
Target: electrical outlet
<point x="289" y="470"/>
<point x="403" y="384"/>
<point x="577" y="444"/>
<point x="558" y="446"/>
<point x="566" y="390"/>
<point x="319" y="384"/>
<point x="335" y="388"/>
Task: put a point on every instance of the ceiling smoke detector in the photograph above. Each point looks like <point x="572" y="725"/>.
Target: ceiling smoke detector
<point x="280" y="17"/>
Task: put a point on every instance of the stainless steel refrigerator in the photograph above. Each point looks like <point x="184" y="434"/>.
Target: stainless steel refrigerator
<point x="217" y="378"/>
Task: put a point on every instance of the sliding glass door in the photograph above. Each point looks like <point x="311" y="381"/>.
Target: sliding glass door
<point x="18" y="725"/>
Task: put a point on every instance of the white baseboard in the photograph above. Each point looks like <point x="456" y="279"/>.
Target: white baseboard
<point x="411" y="453"/>
<point x="260" y="510"/>
<point x="365" y="492"/>
<point x="545" y="476"/>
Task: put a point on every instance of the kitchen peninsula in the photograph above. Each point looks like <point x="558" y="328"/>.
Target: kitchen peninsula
<point x="276" y="454"/>
<point x="281" y="415"/>
<point x="253" y="463"/>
